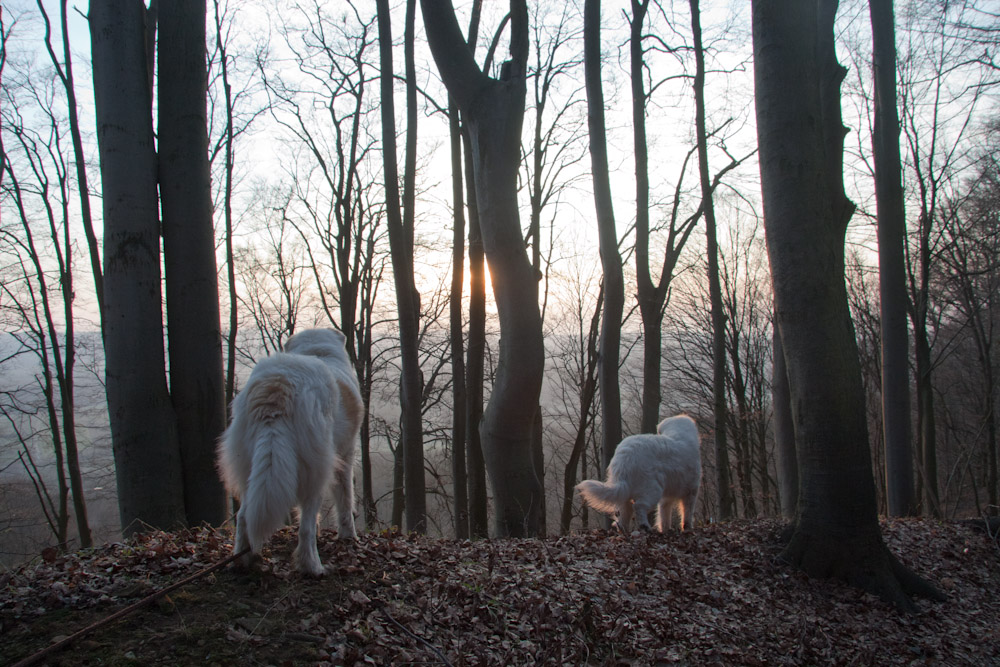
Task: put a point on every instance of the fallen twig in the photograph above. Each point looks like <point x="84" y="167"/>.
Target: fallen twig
<point x="63" y="643"/>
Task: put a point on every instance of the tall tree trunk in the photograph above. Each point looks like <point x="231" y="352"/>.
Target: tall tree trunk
<point x="64" y="71"/>
<point x="891" y="265"/>
<point x="401" y="242"/>
<point x="143" y="425"/>
<point x="651" y="299"/>
<point x="494" y="111"/>
<point x="784" y="430"/>
<point x="197" y="388"/>
<point x="476" y="355"/>
<point x="727" y="504"/>
<point x="926" y="422"/>
<point x="227" y="209"/>
<point x="459" y="398"/>
<point x="797" y="80"/>
<point x="611" y="261"/>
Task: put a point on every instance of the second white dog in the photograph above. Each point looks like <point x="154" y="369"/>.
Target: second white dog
<point x="294" y="429"/>
<point x="651" y="470"/>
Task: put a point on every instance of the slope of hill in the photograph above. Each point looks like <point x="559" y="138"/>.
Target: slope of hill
<point x="716" y="595"/>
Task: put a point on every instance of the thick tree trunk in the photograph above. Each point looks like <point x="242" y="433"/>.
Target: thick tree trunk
<point x="143" y="426"/>
<point x="401" y="242"/>
<point x="800" y="132"/>
<point x="494" y="111"/>
<point x="611" y="261"/>
<point x="892" y="267"/>
<point x="197" y="387"/>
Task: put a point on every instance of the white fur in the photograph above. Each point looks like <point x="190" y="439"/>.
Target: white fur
<point x="294" y="429"/>
<point x="651" y="470"/>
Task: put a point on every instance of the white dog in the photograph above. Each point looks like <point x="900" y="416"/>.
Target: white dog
<point x="648" y="470"/>
<point x="294" y="427"/>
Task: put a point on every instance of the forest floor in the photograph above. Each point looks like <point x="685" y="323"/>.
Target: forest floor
<point x="718" y="595"/>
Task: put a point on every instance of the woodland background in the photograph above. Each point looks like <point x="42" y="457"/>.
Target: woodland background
<point x="302" y="229"/>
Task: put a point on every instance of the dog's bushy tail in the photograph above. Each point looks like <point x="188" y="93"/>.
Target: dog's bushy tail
<point x="271" y="489"/>
<point x="602" y="496"/>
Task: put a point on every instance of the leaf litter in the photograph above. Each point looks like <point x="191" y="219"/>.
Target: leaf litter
<point x="718" y="595"/>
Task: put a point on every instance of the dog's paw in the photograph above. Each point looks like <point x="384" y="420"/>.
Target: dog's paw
<point x="315" y="570"/>
<point x="247" y="561"/>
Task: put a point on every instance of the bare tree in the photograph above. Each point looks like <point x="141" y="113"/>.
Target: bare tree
<point x="236" y="122"/>
<point x="64" y="70"/>
<point x="333" y="204"/>
<point x="892" y="276"/>
<point x="35" y="184"/>
<point x="493" y="110"/>
<point x="726" y="503"/>
<point x="577" y="366"/>
<point x="613" y="289"/>
<point x="941" y="89"/>
<point x="555" y="148"/>
<point x="797" y="80"/>
<point x="197" y="388"/>
<point x="400" y="223"/>
<point x="459" y="440"/>
<point x="972" y="287"/>
<point x="143" y="424"/>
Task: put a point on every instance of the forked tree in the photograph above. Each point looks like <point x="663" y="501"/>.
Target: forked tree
<point x="143" y="424"/>
<point x="800" y="132"/>
<point x="493" y="111"/>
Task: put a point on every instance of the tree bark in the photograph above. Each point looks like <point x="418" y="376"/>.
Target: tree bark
<point x="143" y="425"/>
<point x="800" y="131"/>
<point x="227" y="210"/>
<point x="727" y="505"/>
<point x="493" y="110"/>
<point x="651" y="297"/>
<point x="891" y="265"/>
<point x="197" y="387"/>
<point x="401" y="243"/>
<point x="784" y="430"/>
<point x="611" y="261"/>
<point x="460" y="475"/>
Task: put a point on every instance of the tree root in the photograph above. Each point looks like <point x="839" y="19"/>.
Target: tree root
<point x="863" y="562"/>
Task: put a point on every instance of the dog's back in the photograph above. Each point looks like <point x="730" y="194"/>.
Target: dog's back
<point x="294" y="427"/>
<point x="650" y="469"/>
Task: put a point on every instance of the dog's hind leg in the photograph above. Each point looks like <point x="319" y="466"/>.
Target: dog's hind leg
<point x="665" y="514"/>
<point x="241" y="541"/>
<point x="343" y="500"/>
<point x="642" y="515"/>
<point x="687" y="511"/>
<point x="306" y="554"/>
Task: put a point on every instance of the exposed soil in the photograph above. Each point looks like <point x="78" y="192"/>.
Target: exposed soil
<point x="715" y="596"/>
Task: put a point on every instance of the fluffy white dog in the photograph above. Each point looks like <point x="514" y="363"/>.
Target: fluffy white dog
<point x="294" y="428"/>
<point x="648" y="470"/>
